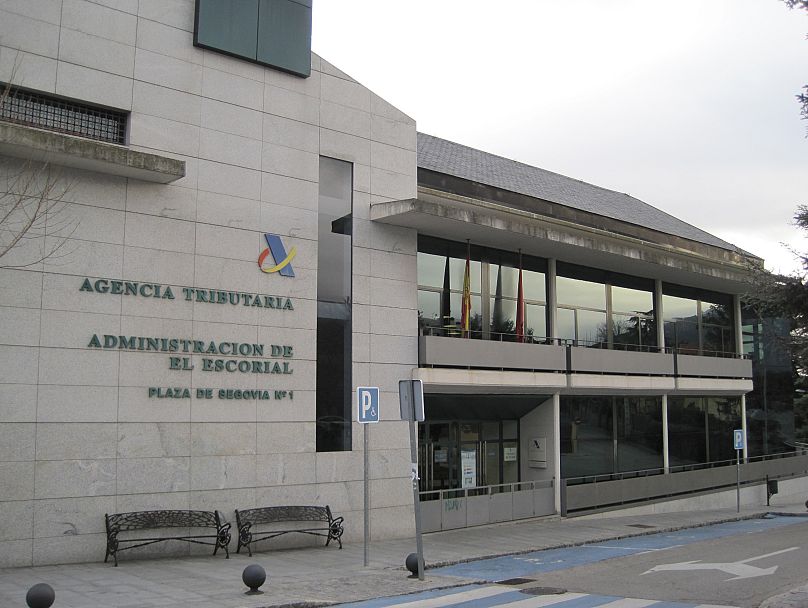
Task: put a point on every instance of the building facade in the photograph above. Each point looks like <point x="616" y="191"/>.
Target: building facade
<point x="235" y="238"/>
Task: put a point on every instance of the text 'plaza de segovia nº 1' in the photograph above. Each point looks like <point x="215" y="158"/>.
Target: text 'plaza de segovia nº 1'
<point x="244" y="234"/>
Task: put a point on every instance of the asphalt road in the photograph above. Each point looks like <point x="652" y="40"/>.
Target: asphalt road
<point x="737" y="564"/>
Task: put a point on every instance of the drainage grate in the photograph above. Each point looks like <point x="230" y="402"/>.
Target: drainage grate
<point x="543" y="591"/>
<point x="645" y="526"/>
<point x="516" y="581"/>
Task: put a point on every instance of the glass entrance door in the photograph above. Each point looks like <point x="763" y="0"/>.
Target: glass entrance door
<point x="435" y="456"/>
<point x="453" y="455"/>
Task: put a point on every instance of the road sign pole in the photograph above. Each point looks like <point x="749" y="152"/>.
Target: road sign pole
<point x="419" y="546"/>
<point x="367" y="495"/>
<point x="738" y="478"/>
<point x="367" y="412"/>
<point x="739" y="442"/>
<point x="411" y="401"/>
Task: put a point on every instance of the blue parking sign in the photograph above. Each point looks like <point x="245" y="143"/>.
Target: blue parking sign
<point x="738" y="436"/>
<point x="367" y="404"/>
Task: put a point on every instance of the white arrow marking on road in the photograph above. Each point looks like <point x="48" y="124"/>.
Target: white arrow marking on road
<point x="741" y="569"/>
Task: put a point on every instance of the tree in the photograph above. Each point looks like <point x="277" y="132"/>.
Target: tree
<point x="33" y="220"/>
<point x="802" y="98"/>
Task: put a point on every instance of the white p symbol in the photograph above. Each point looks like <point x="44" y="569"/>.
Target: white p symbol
<point x="367" y="403"/>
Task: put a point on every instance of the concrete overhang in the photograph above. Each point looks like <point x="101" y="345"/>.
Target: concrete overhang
<point x="79" y="153"/>
<point x="445" y="380"/>
<point x="494" y="225"/>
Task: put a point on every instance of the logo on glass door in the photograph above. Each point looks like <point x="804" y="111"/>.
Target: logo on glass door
<point x="281" y="260"/>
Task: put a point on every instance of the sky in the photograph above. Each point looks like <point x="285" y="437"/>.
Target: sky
<point x="687" y="105"/>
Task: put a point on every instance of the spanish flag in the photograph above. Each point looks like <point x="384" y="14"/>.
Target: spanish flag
<point x="466" y="302"/>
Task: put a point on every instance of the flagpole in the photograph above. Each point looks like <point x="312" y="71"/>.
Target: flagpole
<point x="520" y="306"/>
<point x="466" y="298"/>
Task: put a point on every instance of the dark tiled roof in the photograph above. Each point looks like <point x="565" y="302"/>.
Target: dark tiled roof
<point x="449" y="158"/>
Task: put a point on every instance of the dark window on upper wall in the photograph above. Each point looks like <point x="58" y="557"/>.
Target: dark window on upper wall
<point x="275" y="33"/>
<point x="334" y="310"/>
<point x="52" y="113"/>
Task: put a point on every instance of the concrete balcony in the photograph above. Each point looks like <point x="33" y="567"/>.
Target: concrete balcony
<point x="604" y="361"/>
<point x="588" y="368"/>
<point x="696" y="366"/>
<point x="488" y="354"/>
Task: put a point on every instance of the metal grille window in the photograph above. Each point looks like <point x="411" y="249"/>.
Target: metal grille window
<point x="54" y="114"/>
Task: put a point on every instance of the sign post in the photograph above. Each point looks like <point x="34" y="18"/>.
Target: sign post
<point x="411" y="401"/>
<point x="738" y="440"/>
<point x="367" y="412"/>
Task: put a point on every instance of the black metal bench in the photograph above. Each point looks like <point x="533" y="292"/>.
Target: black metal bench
<point x="323" y="524"/>
<point x="134" y="521"/>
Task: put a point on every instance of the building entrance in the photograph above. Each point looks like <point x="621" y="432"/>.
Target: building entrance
<point x="467" y="454"/>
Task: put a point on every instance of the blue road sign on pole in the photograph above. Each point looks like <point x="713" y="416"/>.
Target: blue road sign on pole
<point x="367" y="404"/>
<point x="738" y="436"/>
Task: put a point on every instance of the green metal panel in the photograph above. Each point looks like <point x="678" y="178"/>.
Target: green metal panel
<point x="284" y="35"/>
<point x="230" y="26"/>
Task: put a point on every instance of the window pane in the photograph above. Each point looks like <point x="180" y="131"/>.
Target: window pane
<point x="533" y="284"/>
<point x="429" y="309"/>
<point x="510" y="429"/>
<point x="536" y="321"/>
<point x="576" y="292"/>
<point x="503" y="316"/>
<point x="591" y="327"/>
<point x="506" y="279"/>
<point x="717" y="328"/>
<point x="229" y="25"/>
<point x="639" y="433"/>
<point x="586" y="436"/>
<point x="687" y="437"/>
<point x="503" y="280"/>
<point x="476" y="320"/>
<point x="457" y="269"/>
<point x="490" y="431"/>
<point x="683" y="335"/>
<point x="284" y="35"/>
<point x="566" y="324"/>
<point x="679" y="308"/>
<point x="632" y="300"/>
<point x="333" y="377"/>
<point x="431" y="269"/>
<point x="633" y="330"/>
<point x="723" y="416"/>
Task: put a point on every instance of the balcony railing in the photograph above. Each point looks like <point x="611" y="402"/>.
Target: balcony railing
<point x="439" y="347"/>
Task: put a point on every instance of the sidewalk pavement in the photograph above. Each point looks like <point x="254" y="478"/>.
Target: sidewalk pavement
<point x="319" y="576"/>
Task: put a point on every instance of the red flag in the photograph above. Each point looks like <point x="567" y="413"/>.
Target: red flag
<point x="520" y="306"/>
<point x="466" y="302"/>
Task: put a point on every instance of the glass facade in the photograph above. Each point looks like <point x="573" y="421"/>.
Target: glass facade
<point x="334" y="311"/>
<point x="602" y="435"/>
<point x="493" y="285"/>
<point x="604" y="309"/>
<point x="697" y="322"/>
<point x="468" y="453"/>
<point x="775" y="417"/>
<point x="700" y="429"/>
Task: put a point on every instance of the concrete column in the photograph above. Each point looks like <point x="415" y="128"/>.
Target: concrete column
<point x="557" y="450"/>
<point x="552" y="303"/>
<point x="660" y="323"/>
<point x="666" y="460"/>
